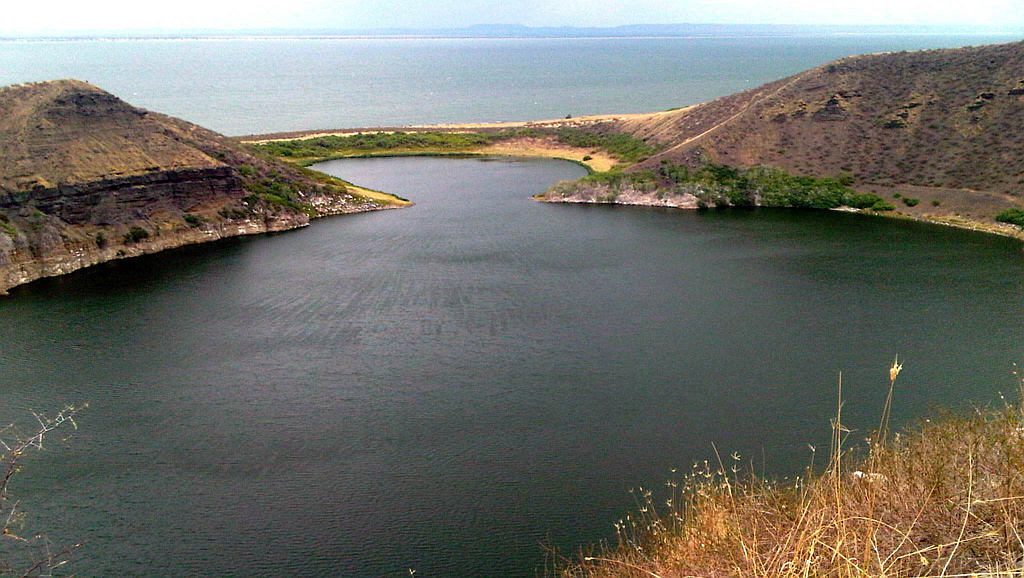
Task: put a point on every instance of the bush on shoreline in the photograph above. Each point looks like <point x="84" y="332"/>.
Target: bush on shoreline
<point x="135" y="234"/>
<point x="1011" y="216"/>
<point x="725" y="186"/>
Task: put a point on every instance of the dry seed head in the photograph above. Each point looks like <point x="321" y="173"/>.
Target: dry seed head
<point x="895" y="369"/>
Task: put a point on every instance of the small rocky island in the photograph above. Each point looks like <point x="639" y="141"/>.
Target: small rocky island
<point x="86" y="178"/>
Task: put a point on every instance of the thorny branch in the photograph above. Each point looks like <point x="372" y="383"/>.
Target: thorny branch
<point x="14" y="445"/>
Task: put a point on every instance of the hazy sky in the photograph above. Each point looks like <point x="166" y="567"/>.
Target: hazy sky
<point x="78" y="15"/>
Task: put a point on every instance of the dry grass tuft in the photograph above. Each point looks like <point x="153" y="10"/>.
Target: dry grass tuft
<point x="945" y="498"/>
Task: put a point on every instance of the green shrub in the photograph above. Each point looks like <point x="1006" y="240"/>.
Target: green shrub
<point x="136" y="234"/>
<point x="193" y="220"/>
<point x="101" y="240"/>
<point x="247" y="170"/>
<point x="936" y="202"/>
<point x="235" y="212"/>
<point x="4" y="218"/>
<point x="883" y="206"/>
<point x="862" y="200"/>
<point x="911" y="201"/>
<point x="587" y="158"/>
<point x="1013" y="216"/>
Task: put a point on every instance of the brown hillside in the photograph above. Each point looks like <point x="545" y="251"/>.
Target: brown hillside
<point x="85" y="178"/>
<point x="938" y="118"/>
<point x="70" y="132"/>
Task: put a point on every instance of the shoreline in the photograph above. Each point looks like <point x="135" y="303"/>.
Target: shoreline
<point x="538" y="154"/>
<point x="80" y="256"/>
<point x="593" y="159"/>
<point x="576" y="121"/>
<point x="957" y="205"/>
<point x="1002" y="230"/>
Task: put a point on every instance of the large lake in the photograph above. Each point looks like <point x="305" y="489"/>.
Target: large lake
<point x="451" y="386"/>
<point x="243" y="86"/>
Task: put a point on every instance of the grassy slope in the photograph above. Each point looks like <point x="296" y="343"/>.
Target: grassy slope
<point x="944" y="118"/>
<point x="945" y="498"/>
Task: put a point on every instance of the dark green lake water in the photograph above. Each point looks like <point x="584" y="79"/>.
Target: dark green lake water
<point x="450" y="386"/>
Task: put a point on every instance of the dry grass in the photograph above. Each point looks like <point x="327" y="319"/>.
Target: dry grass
<point x="549" y="147"/>
<point x="943" y="499"/>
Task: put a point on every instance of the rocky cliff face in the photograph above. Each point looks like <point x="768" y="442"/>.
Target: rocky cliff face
<point x="86" y="178"/>
<point x="118" y="200"/>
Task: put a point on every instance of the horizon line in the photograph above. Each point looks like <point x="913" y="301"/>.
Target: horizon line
<point x="499" y="31"/>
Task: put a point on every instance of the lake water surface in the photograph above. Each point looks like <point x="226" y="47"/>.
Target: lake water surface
<point x="448" y="387"/>
<point x="241" y="86"/>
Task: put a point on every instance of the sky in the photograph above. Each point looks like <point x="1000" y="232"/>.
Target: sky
<point x="49" y="16"/>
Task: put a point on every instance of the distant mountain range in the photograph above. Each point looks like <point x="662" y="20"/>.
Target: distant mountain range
<point x="522" y="31"/>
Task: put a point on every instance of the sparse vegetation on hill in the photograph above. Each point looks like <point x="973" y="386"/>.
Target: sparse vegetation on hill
<point x="947" y="125"/>
<point x="949" y="118"/>
<point x="86" y="178"/>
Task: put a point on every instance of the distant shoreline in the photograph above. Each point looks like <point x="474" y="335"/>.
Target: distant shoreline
<point x="597" y="161"/>
<point x="593" y="160"/>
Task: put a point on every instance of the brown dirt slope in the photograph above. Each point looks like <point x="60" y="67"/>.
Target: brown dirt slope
<point x="69" y="132"/>
<point x="951" y="118"/>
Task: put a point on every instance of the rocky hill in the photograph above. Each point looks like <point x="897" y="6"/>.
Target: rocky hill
<point x="945" y="118"/>
<point x="943" y="125"/>
<point x="85" y="178"/>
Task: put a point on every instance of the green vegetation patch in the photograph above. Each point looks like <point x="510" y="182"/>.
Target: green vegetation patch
<point x="277" y="190"/>
<point x="1012" y="216"/>
<point x="5" y="225"/>
<point x="381" y="142"/>
<point x="724" y="186"/>
<point x="624" y="147"/>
